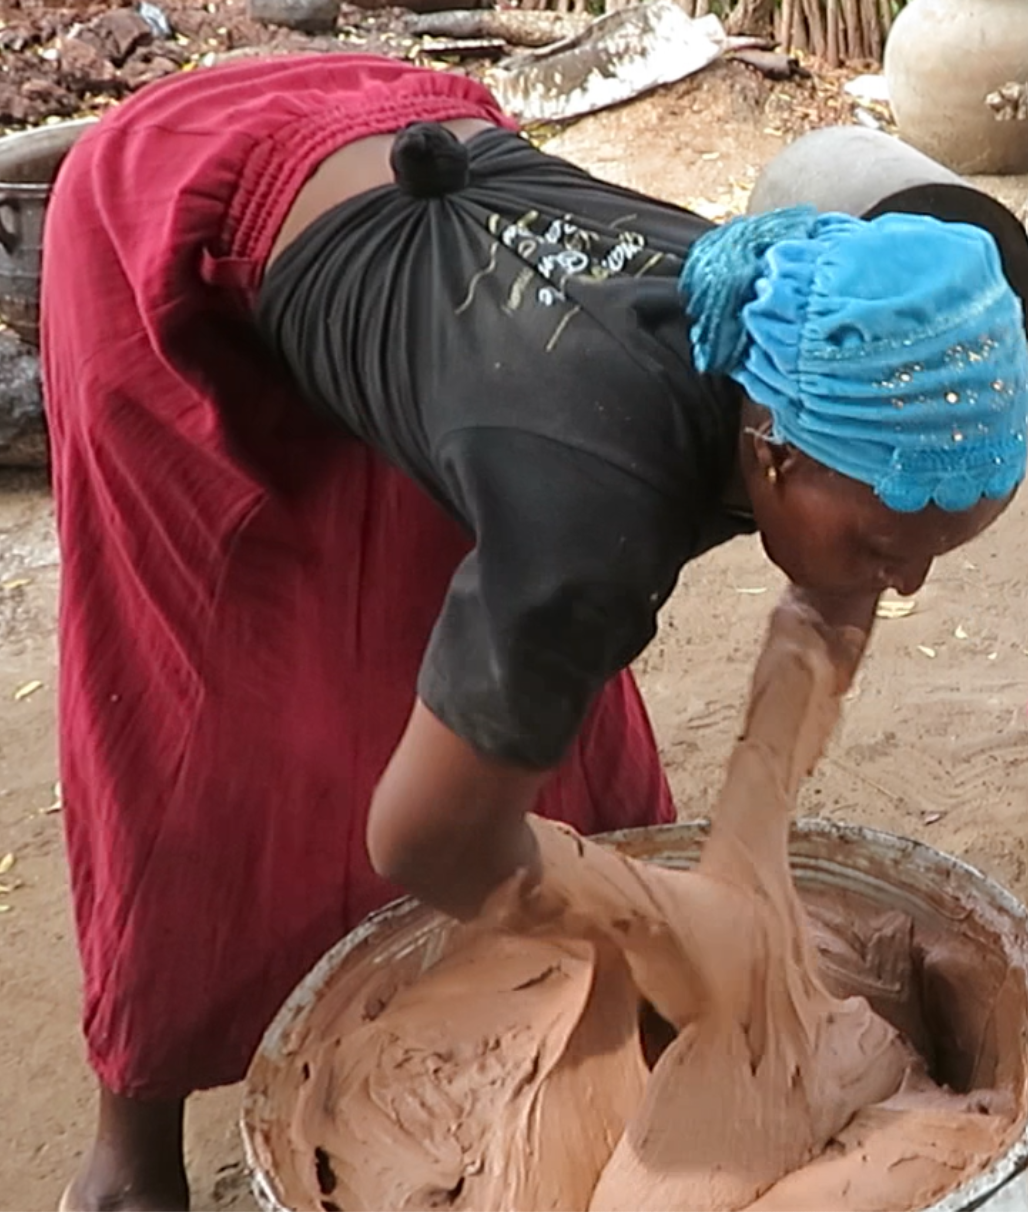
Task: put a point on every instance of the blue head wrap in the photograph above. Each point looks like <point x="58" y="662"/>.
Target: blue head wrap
<point x="891" y="350"/>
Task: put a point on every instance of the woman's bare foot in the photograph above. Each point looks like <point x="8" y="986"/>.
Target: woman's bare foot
<point x="136" y="1163"/>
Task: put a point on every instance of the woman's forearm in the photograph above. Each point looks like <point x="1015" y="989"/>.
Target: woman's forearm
<point x="812" y="650"/>
<point x="844" y="621"/>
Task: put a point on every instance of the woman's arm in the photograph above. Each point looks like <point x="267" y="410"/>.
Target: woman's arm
<point x="842" y="625"/>
<point x="455" y="828"/>
<point x="845" y="623"/>
<point x="573" y="558"/>
<point x="449" y="824"/>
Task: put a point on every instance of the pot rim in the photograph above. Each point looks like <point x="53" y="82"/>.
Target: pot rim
<point x="17" y="191"/>
<point x="65" y="134"/>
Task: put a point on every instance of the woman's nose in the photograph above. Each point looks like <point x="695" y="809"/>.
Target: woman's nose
<point x="909" y="579"/>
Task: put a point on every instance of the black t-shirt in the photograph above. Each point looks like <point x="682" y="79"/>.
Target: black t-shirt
<point x="519" y="349"/>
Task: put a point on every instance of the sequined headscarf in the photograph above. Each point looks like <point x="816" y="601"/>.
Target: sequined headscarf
<point x="891" y="350"/>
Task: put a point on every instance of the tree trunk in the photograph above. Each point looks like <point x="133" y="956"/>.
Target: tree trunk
<point x="832" y="37"/>
<point x="872" y="30"/>
<point x="788" y="18"/>
<point x="816" y="24"/>
<point x="885" y="10"/>
<point x="854" y="43"/>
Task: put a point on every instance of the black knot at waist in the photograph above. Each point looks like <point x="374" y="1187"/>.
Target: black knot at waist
<point x="429" y="161"/>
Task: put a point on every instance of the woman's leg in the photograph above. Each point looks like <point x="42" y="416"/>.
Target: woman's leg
<point x="200" y="914"/>
<point x="136" y="1161"/>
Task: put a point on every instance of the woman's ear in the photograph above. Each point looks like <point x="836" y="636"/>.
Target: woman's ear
<point x="762" y="455"/>
<point x="764" y="452"/>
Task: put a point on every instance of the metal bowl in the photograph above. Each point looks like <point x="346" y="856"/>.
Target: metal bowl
<point x="883" y="871"/>
<point x="29" y="162"/>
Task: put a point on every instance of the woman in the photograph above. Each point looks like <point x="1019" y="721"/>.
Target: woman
<point x="377" y="449"/>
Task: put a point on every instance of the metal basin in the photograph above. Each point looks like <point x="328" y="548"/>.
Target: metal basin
<point x="29" y="162"/>
<point x="876" y="871"/>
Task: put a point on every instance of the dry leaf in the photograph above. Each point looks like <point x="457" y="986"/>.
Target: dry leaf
<point x="58" y="802"/>
<point x="6" y="863"/>
<point x="895" y="608"/>
<point x="928" y="652"/>
<point x="16" y="583"/>
<point x="28" y="688"/>
<point x="5" y="908"/>
<point x="960" y="634"/>
<point x="932" y="817"/>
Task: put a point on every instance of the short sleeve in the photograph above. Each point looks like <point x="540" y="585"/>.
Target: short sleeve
<point x="572" y="561"/>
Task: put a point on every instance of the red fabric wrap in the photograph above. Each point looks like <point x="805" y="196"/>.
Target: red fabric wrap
<point x="246" y="596"/>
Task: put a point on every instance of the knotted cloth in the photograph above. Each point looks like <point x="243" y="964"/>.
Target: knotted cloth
<point x="891" y="350"/>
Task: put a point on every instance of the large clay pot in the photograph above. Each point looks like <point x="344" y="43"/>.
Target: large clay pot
<point x="868" y="173"/>
<point x="942" y="60"/>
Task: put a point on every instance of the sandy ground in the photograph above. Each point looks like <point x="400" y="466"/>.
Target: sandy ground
<point x="934" y="744"/>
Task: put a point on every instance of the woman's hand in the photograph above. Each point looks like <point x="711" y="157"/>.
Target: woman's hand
<point x="455" y="829"/>
<point x="584" y="890"/>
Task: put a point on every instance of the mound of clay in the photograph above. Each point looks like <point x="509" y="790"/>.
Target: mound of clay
<point x="513" y="1076"/>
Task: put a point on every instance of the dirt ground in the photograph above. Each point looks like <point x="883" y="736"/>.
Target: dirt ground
<point x="934" y="744"/>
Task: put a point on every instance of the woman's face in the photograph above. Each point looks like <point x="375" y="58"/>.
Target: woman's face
<point x="831" y="534"/>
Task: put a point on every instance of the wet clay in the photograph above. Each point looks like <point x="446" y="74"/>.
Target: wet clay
<point x="513" y="1074"/>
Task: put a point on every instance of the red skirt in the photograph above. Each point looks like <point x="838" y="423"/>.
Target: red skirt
<point x="246" y="595"/>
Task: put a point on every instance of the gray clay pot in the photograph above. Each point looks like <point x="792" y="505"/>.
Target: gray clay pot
<point x="867" y="173"/>
<point x="943" y="60"/>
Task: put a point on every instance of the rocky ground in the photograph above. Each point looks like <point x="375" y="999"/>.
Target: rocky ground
<point x="74" y="61"/>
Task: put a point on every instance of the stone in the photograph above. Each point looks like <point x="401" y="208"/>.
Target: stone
<point x="144" y="69"/>
<point x="120" y="32"/>
<point x="16" y="38"/>
<point x="308" y="16"/>
<point x="83" y="66"/>
<point x="14" y="107"/>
